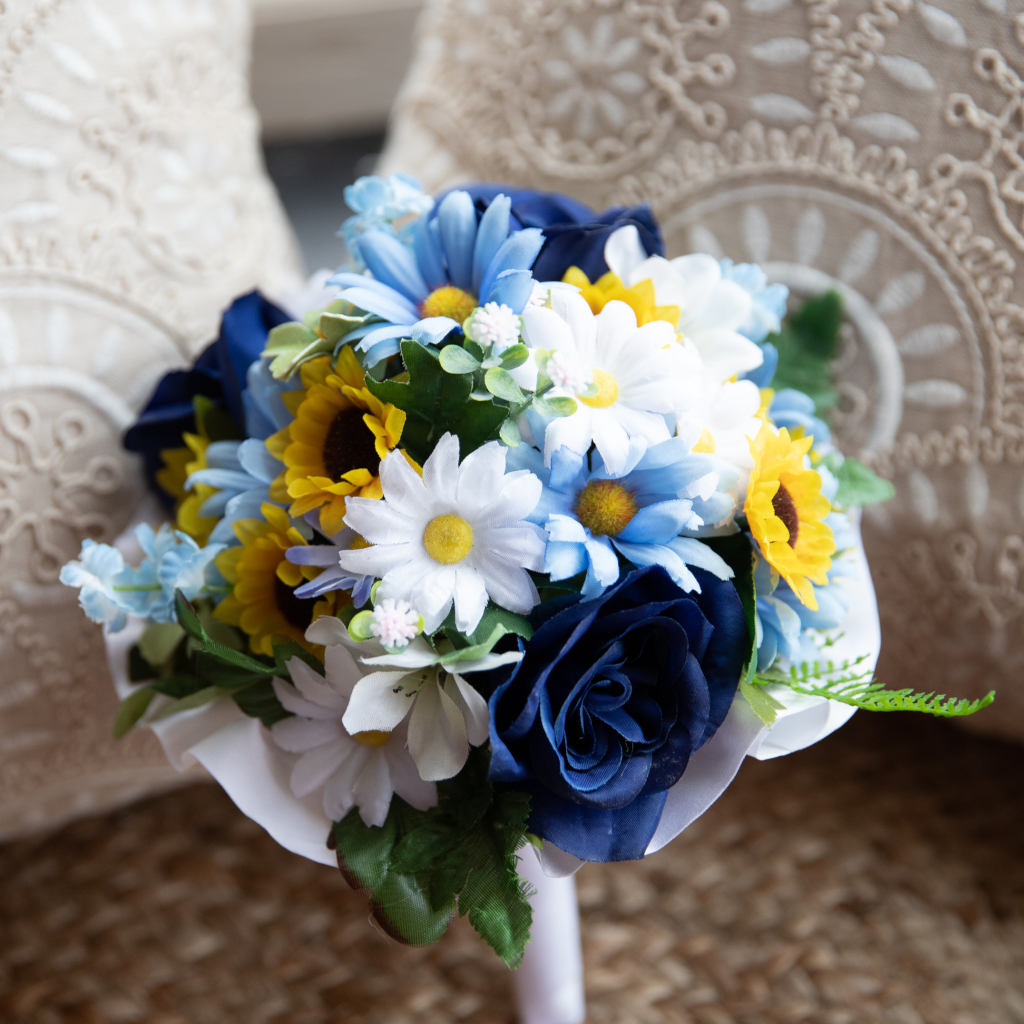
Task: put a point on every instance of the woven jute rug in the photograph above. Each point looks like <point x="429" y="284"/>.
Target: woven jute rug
<point x="878" y="877"/>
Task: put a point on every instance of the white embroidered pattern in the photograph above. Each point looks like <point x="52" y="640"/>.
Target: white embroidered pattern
<point x="132" y="209"/>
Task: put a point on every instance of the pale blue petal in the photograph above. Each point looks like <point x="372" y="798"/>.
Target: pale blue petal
<point x="382" y="301"/>
<point x="511" y="288"/>
<point x="392" y="264"/>
<point x="658" y="523"/>
<point x="517" y="252"/>
<point x="492" y="231"/>
<point x="456" y="219"/>
<point x="564" y="560"/>
<point x="432" y="329"/>
<point x="428" y="253"/>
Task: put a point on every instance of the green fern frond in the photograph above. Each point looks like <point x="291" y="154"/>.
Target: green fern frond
<point x="844" y="683"/>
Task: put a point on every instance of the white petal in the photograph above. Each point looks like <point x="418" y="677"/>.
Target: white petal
<point x="297" y="705"/>
<point x="480" y="478"/>
<point x="437" y="735"/>
<point x="381" y="522"/>
<point x="473" y="707"/>
<point x="373" y="790"/>
<point x="431" y="596"/>
<point x="470" y="598"/>
<point x="379" y="702"/>
<point x="509" y="586"/>
<point x="441" y="469"/>
<point x="406" y="780"/>
<point x="401" y="483"/>
<point x="624" y="251"/>
<point x="314" y="768"/>
<point x="297" y="735"/>
<point x="338" y="799"/>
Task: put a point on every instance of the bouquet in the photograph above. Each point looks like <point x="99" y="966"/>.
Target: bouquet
<point x="516" y="544"/>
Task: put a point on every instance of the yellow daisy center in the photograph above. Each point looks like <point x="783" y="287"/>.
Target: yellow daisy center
<point x="605" y="507"/>
<point x="371" y="737"/>
<point x="448" y="539"/>
<point x="448" y="301"/>
<point x="607" y="391"/>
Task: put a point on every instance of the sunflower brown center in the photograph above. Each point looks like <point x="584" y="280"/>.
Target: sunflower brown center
<point x="296" y="611"/>
<point x="349" y="445"/>
<point x="785" y="508"/>
<point x="605" y="508"/>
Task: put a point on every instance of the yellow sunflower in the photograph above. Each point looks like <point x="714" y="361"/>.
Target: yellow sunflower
<point x="179" y="465"/>
<point x="262" y="602"/>
<point x="785" y="511"/>
<point x="639" y="297"/>
<point x="339" y="436"/>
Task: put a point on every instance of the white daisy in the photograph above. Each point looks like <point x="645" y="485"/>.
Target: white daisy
<point x="717" y="417"/>
<point x="711" y="308"/>
<point x="360" y="770"/>
<point x="446" y="715"/>
<point x="457" y="535"/>
<point x="635" y="371"/>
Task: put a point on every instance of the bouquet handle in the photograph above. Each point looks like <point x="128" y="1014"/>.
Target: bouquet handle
<point x="549" y="984"/>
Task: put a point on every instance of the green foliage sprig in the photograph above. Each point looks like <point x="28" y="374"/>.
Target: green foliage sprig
<point x="846" y="683"/>
<point x="807" y="344"/>
<point x="421" y="867"/>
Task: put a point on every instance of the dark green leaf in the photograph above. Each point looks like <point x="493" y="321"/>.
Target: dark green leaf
<point x="187" y="618"/>
<point x="259" y="701"/>
<point x="478" y="423"/>
<point x="197" y="699"/>
<point x="139" y="669"/>
<point x="807" y="346"/>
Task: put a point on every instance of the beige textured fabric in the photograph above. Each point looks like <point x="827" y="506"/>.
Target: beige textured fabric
<point x="133" y="207"/>
<point x="877" y="145"/>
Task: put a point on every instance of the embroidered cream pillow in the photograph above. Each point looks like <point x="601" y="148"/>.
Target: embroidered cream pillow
<point x="874" y="147"/>
<point x="133" y="207"/>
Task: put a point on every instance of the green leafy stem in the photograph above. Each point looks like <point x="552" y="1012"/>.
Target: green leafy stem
<point x="848" y="684"/>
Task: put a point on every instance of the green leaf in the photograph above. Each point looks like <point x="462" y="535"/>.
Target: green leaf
<point x="558" y="406"/>
<point x="336" y="326"/>
<point x="213" y="420"/>
<point x="193" y="700"/>
<point x="292" y="344"/>
<point x="807" y="345"/>
<point x="259" y="701"/>
<point x="187" y="618"/>
<point x="455" y="359"/>
<point x="843" y="682"/>
<point x="139" y="669"/>
<point x="159" y="641"/>
<point x="398" y="899"/>
<point x="501" y="384"/>
<point x="859" y="485"/>
<point x="513" y="356"/>
<point x="509" y="434"/>
<point x="510" y="622"/>
<point x="478" y="423"/>
<point x="764" y="705"/>
<point x="431" y="399"/>
<point x="131" y="709"/>
<point x="419" y="865"/>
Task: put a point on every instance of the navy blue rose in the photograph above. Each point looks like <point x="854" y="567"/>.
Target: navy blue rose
<point x="574" y="235"/>
<point x="218" y="374"/>
<point x="609" y="702"/>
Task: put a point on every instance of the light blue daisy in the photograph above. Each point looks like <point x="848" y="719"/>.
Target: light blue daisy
<point x="96" y="572"/>
<point x="333" y="576"/>
<point x="794" y="410"/>
<point x="478" y="254"/>
<point x="769" y="300"/>
<point x="675" y="497"/>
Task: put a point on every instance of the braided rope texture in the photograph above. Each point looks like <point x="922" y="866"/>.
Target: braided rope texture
<point x="876" y="877"/>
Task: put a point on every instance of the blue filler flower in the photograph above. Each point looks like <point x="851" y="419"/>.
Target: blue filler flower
<point x="609" y="702"/>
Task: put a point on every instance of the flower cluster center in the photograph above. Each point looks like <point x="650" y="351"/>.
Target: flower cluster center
<point x="607" y="391"/>
<point x="294" y="610"/>
<point x="605" y="507"/>
<point x="448" y="301"/>
<point x="349" y="445"/>
<point x="448" y="539"/>
<point x="372" y="737"/>
<point x="785" y="508"/>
